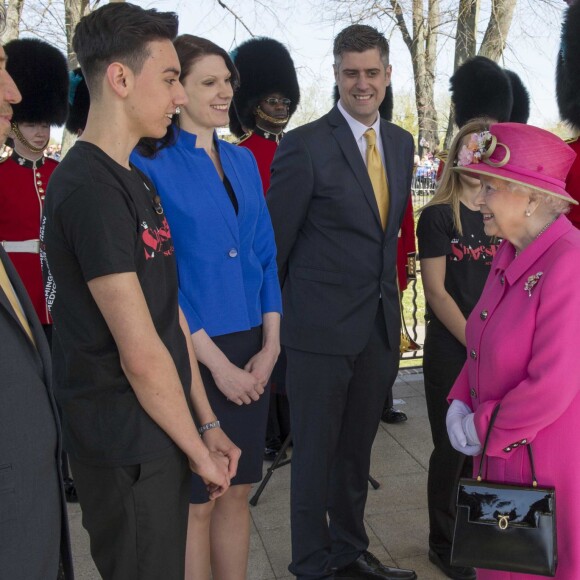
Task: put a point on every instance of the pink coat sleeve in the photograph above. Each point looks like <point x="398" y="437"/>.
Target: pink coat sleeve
<point x="552" y="379"/>
<point x="460" y="388"/>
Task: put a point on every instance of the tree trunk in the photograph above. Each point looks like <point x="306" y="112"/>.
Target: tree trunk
<point x="495" y="38"/>
<point x="465" y="47"/>
<point x="74" y="10"/>
<point x="424" y="57"/>
<point x="13" y="15"/>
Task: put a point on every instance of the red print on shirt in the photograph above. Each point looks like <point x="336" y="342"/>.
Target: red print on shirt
<point x="157" y="240"/>
<point x="461" y="252"/>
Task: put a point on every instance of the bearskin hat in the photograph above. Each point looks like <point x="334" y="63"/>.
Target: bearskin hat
<point x="79" y="102"/>
<point x="386" y="107"/>
<point x="568" y="68"/>
<point x="521" y="99"/>
<point x="265" y="66"/>
<point x="481" y="88"/>
<point x="41" y="74"/>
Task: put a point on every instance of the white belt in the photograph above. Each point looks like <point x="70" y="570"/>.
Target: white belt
<point x="27" y="246"/>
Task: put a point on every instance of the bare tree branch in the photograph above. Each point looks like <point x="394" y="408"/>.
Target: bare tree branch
<point x="236" y="16"/>
<point x="495" y="38"/>
<point x="13" y="17"/>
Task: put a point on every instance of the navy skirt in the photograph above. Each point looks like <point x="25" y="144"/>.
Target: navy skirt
<point x="245" y="425"/>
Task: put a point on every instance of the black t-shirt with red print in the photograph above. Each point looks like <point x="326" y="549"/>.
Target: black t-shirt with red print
<point x="99" y="219"/>
<point x="468" y="256"/>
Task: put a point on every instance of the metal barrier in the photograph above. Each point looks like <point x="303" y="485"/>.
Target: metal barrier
<point x="423" y="188"/>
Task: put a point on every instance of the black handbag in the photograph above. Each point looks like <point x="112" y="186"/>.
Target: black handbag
<point x="505" y="527"/>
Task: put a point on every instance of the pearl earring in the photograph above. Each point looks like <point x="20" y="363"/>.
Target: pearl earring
<point x="528" y="213"/>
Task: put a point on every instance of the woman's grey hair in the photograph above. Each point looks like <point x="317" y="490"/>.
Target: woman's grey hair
<point x="555" y="206"/>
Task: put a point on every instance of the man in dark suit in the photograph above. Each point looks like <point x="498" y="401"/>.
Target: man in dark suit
<point x="34" y="541"/>
<point x="336" y="216"/>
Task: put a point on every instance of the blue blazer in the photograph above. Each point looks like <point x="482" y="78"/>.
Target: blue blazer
<point x="226" y="262"/>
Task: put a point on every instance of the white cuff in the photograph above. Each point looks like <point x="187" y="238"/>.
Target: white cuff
<point x="458" y="407"/>
<point x="468" y="425"/>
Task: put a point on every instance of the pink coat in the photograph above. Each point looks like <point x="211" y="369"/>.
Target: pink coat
<point x="522" y="344"/>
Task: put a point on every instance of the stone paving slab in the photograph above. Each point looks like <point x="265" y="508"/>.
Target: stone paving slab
<point x="396" y="515"/>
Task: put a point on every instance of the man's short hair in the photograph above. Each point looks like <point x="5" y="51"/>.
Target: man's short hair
<point x="119" y="32"/>
<point x="360" y="38"/>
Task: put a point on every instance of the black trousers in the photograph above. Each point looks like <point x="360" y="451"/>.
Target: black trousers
<point x="63" y="457"/>
<point x="335" y="409"/>
<point x="278" y="426"/>
<point x="443" y="358"/>
<point x="136" y="517"/>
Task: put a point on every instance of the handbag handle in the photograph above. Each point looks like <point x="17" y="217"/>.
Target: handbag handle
<point x="528" y="445"/>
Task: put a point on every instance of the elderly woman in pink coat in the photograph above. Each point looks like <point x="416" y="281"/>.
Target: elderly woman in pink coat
<point x="523" y="335"/>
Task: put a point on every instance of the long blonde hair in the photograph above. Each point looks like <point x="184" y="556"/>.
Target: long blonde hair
<point x="450" y="188"/>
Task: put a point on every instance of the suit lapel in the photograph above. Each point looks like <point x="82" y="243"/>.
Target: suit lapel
<point x="389" y="149"/>
<point x="231" y="170"/>
<point x="221" y="197"/>
<point x="34" y="323"/>
<point x="3" y="298"/>
<point x="343" y="135"/>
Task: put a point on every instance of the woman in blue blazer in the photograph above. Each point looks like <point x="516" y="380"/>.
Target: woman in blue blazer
<point x="212" y="195"/>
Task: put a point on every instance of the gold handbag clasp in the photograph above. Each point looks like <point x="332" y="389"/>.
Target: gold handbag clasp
<point x="503" y="521"/>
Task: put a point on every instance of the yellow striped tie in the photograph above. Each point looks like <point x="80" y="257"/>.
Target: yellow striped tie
<point x="9" y="291"/>
<point x="378" y="175"/>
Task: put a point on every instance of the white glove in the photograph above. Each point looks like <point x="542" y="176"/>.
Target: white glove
<point x="468" y="424"/>
<point x="458" y="411"/>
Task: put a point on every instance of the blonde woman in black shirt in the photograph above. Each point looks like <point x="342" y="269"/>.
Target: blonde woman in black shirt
<point x="455" y="259"/>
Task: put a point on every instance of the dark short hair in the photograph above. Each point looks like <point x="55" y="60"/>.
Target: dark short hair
<point x="119" y="32"/>
<point x="359" y="38"/>
<point x="189" y="49"/>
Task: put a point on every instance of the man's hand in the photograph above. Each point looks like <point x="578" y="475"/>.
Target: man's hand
<point x="262" y="364"/>
<point x="238" y="385"/>
<point x="213" y="470"/>
<point x="216" y="440"/>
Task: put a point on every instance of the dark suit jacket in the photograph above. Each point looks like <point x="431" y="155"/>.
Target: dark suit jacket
<point x="334" y="258"/>
<point x="32" y="503"/>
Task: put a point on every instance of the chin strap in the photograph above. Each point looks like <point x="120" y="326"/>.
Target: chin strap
<point x="24" y="142"/>
<point x="273" y="120"/>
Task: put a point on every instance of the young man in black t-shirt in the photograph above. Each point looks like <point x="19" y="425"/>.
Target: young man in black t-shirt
<point x="123" y="353"/>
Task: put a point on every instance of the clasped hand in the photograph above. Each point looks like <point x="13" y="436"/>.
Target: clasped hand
<point x="242" y="386"/>
<point x="461" y="429"/>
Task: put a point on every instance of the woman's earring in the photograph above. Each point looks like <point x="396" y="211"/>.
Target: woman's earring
<point x="177" y="110"/>
<point x="528" y="213"/>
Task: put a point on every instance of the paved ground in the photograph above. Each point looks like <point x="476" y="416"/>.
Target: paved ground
<point x="396" y="515"/>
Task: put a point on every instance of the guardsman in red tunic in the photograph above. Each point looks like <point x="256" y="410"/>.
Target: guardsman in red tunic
<point x="266" y="100"/>
<point x="262" y="107"/>
<point x="481" y="88"/>
<point x="568" y="94"/>
<point x="40" y="72"/>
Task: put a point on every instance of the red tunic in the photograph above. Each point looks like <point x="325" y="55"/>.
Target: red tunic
<point x="406" y="248"/>
<point x="573" y="184"/>
<point x="263" y="150"/>
<point x="22" y="190"/>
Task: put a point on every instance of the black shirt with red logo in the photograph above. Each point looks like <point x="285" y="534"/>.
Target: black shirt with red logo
<point x="468" y="256"/>
<point x="100" y="219"/>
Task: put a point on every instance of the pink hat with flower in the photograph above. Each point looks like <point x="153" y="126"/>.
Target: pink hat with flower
<point x="521" y="154"/>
